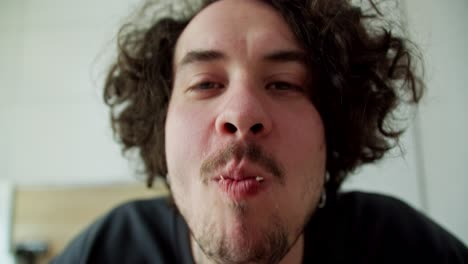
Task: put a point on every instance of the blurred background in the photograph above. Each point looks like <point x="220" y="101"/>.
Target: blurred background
<point x="58" y="158"/>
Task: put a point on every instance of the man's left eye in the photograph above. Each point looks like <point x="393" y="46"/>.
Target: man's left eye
<point x="283" y="86"/>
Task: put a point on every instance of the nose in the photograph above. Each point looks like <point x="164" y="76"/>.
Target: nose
<point x="244" y="115"/>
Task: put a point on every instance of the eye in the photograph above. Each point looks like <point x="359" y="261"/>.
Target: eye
<point x="206" y="86"/>
<point x="205" y="89"/>
<point x="283" y="86"/>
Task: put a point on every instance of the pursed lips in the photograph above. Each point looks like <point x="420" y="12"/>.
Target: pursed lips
<point x="240" y="183"/>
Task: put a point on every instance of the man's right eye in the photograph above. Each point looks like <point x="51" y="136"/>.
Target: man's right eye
<point x="205" y="89"/>
<point x="207" y="86"/>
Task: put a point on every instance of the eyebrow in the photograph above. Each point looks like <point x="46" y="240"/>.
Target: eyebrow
<point x="214" y="55"/>
<point x="286" y="56"/>
<point x="201" y="56"/>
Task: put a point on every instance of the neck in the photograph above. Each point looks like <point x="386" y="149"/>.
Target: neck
<point x="294" y="255"/>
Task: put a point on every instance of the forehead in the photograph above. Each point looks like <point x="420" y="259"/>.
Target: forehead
<point x="244" y="26"/>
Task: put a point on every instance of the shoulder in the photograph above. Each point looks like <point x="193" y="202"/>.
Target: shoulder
<point x="135" y="232"/>
<point x="382" y="213"/>
<point x="373" y="228"/>
<point x="369" y="209"/>
<point x="135" y="214"/>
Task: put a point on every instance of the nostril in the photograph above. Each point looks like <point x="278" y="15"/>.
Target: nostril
<point x="256" y="128"/>
<point x="230" y="127"/>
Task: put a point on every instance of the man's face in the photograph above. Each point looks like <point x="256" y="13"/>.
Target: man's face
<point x="245" y="146"/>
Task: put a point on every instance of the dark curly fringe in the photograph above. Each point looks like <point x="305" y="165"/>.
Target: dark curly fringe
<point x="361" y="75"/>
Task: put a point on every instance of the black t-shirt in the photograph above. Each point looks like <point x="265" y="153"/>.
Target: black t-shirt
<point x="354" y="228"/>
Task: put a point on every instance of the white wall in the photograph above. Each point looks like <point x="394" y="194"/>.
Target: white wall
<point x="440" y="27"/>
<point x="54" y="127"/>
<point x="433" y="174"/>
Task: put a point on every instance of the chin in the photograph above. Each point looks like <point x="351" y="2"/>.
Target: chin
<point x="241" y="242"/>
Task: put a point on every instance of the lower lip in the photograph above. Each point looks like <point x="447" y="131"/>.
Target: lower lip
<point x="240" y="189"/>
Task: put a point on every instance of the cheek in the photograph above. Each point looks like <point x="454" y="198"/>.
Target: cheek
<point x="310" y="143"/>
<point x="186" y="138"/>
<point x="304" y="154"/>
<point x="302" y="129"/>
<point x="187" y="131"/>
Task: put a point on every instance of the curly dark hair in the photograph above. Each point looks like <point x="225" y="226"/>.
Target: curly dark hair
<point x="365" y="72"/>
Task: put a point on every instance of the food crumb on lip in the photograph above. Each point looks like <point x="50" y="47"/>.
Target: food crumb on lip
<point x="257" y="178"/>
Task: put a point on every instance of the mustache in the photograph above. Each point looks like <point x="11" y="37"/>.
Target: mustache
<point x="238" y="151"/>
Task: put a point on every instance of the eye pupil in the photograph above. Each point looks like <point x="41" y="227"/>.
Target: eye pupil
<point x="206" y="85"/>
<point x="284" y="87"/>
<point x="281" y="86"/>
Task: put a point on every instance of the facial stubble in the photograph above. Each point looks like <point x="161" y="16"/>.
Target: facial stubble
<point x="268" y="245"/>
